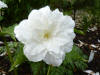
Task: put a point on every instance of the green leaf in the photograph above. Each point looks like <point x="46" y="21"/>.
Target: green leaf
<point x="2" y="49"/>
<point x="80" y="65"/>
<point x="19" y="58"/>
<point x="79" y="31"/>
<point x="61" y="70"/>
<point x="37" y="67"/>
<point x="9" y="31"/>
<point x="76" y="58"/>
<point x="69" y="72"/>
<point x="2" y="34"/>
<point x="1" y="18"/>
<point x="67" y="12"/>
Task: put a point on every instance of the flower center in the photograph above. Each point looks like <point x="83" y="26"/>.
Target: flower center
<point x="47" y="35"/>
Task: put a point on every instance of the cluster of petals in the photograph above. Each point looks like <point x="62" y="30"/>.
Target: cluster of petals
<point x="47" y="35"/>
<point x="3" y="5"/>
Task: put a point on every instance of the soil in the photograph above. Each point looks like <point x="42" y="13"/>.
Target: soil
<point x="91" y="38"/>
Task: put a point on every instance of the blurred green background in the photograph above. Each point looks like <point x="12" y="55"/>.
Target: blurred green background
<point x="19" y="9"/>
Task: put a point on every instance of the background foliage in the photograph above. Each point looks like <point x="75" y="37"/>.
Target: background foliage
<point x="19" y="9"/>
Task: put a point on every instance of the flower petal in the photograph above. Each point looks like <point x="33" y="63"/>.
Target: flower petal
<point x="55" y="44"/>
<point x="89" y="72"/>
<point x="66" y="27"/>
<point x="54" y="59"/>
<point x="91" y="56"/>
<point x="3" y="5"/>
<point x="39" y="18"/>
<point x="97" y="73"/>
<point x="67" y="47"/>
<point x="35" y="52"/>
<point x="23" y="32"/>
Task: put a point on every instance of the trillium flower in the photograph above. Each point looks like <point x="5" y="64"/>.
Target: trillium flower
<point x="3" y="5"/>
<point x="47" y="35"/>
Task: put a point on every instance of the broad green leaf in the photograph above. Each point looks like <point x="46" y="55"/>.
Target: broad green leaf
<point x="9" y="31"/>
<point x="19" y="58"/>
<point x="74" y="57"/>
<point x="80" y="65"/>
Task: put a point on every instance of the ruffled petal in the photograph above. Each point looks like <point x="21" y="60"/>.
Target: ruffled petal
<point x="39" y="19"/>
<point x="54" y="59"/>
<point x="55" y="44"/>
<point x="22" y="32"/>
<point x="65" y="27"/>
<point x="35" y="52"/>
<point x="67" y="47"/>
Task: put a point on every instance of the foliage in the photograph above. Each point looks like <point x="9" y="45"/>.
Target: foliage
<point x="9" y="31"/>
<point x="16" y="49"/>
<point x="86" y="22"/>
<point x="19" y="57"/>
<point x="79" y="31"/>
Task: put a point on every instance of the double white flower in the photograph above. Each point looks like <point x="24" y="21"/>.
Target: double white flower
<point x="3" y="5"/>
<point x="47" y="35"/>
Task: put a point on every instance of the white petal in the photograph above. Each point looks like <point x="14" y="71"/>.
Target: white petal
<point x="97" y="73"/>
<point x="67" y="22"/>
<point x="98" y="41"/>
<point x="93" y="45"/>
<point x="57" y="44"/>
<point x="54" y="59"/>
<point x="67" y="47"/>
<point x="23" y="32"/>
<point x="63" y="43"/>
<point x="55" y="16"/>
<point x="45" y="10"/>
<point x="3" y="5"/>
<point x="39" y="18"/>
<point x="91" y="56"/>
<point x="34" y="52"/>
<point x="88" y="71"/>
<point x="66" y="29"/>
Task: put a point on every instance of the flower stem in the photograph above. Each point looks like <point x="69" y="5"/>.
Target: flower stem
<point x="8" y="51"/>
<point x="49" y="67"/>
<point x="9" y="55"/>
<point x="41" y="66"/>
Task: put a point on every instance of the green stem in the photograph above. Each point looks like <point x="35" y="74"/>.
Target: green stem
<point x="9" y="55"/>
<point x="85" y="60"/>
<point x="8" y="51"/>
<point x="49" y="69"/>
<point x="41" y="66"/>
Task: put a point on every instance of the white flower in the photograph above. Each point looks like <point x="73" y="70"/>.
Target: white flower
<point x="47" y="35"/>
<point x="3" y="5"/>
